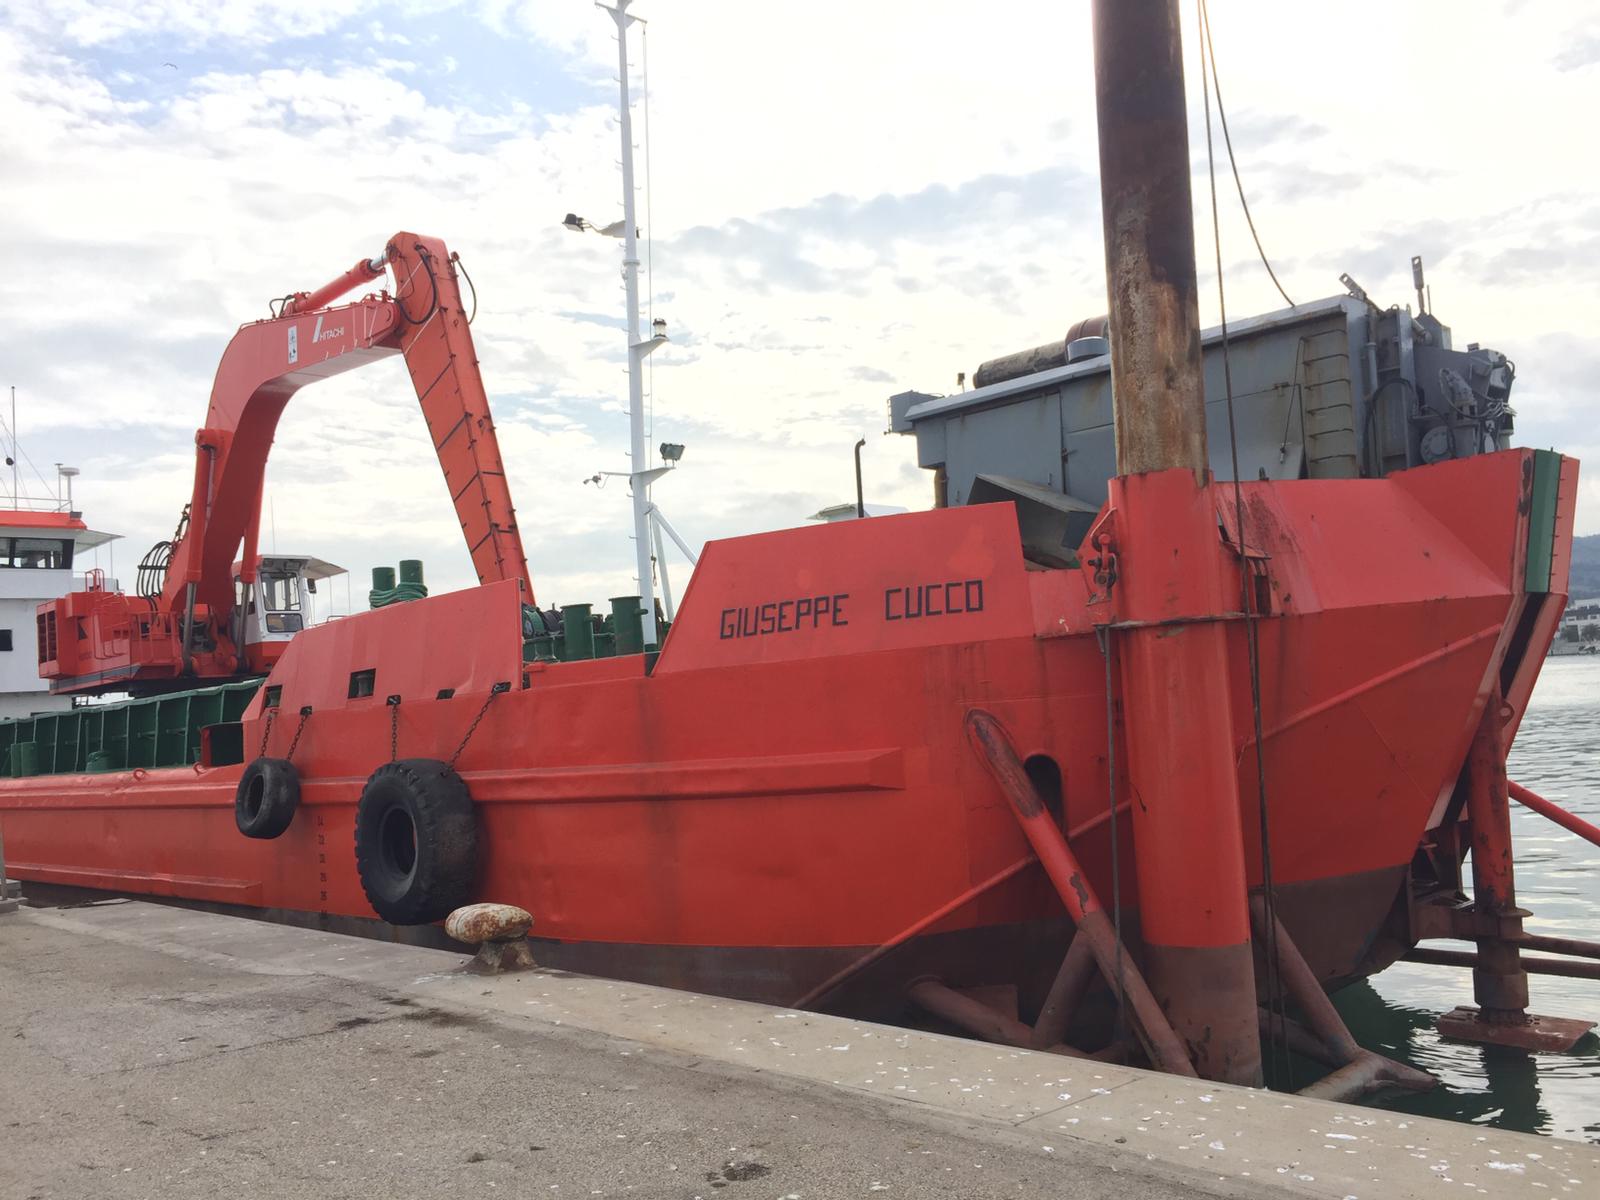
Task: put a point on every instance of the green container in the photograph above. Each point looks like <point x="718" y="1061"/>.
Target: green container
<point x="383" y="579"/>
<point x="25" y="759"/>
<point x="577" y="632"/>
<point x="411" y="571"/>
<point x="626" y="614"/>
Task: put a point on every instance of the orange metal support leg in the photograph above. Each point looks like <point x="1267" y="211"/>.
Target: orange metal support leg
<point x="1499" y="984"/>
<point x="1077" y="893"/>
<point x="1554" y="812"/>
<point x="1499" y="980"/>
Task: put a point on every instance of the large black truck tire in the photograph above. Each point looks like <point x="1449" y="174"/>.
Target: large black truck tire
<point x="416" y="841"/>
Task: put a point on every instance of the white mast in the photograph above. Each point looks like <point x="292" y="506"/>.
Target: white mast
<point x="640" y="475"/>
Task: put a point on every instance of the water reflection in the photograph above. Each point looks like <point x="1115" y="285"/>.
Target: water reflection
<point x="1557" y="754"/>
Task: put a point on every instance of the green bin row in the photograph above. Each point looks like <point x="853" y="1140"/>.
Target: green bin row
<point x="157" y="731"/>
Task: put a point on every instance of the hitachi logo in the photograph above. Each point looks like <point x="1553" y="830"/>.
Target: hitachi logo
<point x="319" y="334"/>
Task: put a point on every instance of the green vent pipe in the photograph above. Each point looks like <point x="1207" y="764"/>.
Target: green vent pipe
<point x="386" y="590"/>
<point x="577" y="632"/>
<point x="625" y="614"/>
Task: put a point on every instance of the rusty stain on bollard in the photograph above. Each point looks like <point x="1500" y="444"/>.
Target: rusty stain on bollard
<point x="500" y="931"/>
<point x="488" y="923"/>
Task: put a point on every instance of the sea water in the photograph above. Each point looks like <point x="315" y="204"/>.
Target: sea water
<point x="1557" y="755"/>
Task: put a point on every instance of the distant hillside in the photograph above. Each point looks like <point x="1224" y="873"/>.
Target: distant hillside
<point x="1585" y="567"/>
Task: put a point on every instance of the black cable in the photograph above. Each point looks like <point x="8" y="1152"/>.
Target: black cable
<point x="151" y="575"/>
<point x="1211" y="52"/>
<point x="151" y="578"/>
<point x="1296" y="401"/>
<point x="462" y="267"/>
<point x="1120" y="1029"/>
<point x="1277" y="1037"/>
<point x="1368" y="445"/>
<point x="17" y="445"/>
<point x="433" y="307"/>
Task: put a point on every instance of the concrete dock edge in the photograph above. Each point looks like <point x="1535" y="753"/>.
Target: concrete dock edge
<point x="1209" y="1138"/>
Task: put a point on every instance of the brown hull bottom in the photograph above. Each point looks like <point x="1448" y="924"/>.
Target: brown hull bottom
<point x="1341" y="925"/>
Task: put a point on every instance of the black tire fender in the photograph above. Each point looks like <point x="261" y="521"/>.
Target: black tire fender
<point x="267" y="795"/>
<point x="416" y="841"/>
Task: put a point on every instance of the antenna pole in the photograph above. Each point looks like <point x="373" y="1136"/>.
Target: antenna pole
<point x="16" y="450"/>
<point x="637" y="346"/>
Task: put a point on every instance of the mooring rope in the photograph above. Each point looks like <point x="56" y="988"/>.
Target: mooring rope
<point x="1277" y="1036"/>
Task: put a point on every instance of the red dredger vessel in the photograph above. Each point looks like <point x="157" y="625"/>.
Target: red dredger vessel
<point x="903" y="757"/>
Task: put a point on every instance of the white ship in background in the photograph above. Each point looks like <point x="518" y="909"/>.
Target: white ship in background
<point x="41" y="540"/>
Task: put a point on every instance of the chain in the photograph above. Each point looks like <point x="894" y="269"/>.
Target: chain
<point x="497" y="690"/>
<point x="394" y="727"/>
<point x="266" y="731"/>
<point x="305" y="715"/>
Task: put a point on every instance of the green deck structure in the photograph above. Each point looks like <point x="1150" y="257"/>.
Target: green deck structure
<point x="158" y="731"/>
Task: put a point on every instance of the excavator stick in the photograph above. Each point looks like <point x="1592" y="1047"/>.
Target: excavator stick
<point x="436" y="338"/>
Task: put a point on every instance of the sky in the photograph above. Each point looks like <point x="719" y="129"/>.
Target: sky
<point x="843" y="201"/>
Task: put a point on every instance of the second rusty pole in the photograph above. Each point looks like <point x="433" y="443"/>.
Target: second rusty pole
<point x="1175" y="590"/>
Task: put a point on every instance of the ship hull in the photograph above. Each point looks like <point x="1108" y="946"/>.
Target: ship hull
<point x="788" y="787"/>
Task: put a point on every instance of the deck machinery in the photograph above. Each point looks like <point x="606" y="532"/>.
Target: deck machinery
<point x="1112" y="769"/>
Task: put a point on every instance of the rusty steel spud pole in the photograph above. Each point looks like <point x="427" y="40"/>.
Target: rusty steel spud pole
<point x="1174" y="588"/>
<point x="1159" y="414"/>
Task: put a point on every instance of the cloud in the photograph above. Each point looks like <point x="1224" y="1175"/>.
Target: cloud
<point x="1581" y="53"/>
<point x="188" y="23"/>
<point x="837" y="241"/>
<point x="1254" y="129"/>
<point x="833" y="218"/>
<point x="871" y="375"/>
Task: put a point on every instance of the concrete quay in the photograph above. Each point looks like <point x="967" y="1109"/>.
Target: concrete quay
<point x="148" y="1050"/>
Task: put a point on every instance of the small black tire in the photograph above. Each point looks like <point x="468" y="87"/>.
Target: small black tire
<point x="267" y="795"/>
<point x="416" y="841"/>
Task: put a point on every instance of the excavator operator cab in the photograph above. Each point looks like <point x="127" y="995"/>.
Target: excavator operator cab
<point x="278" y="604"/>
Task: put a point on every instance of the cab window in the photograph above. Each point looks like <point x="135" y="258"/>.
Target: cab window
<point x="280" y="593"/>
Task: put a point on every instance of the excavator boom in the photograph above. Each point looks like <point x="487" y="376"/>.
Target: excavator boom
<point x="187" y="627"/>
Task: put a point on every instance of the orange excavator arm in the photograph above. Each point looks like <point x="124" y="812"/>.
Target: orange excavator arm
<point x="186" y="621"/>
<point x="268" y="361"/>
